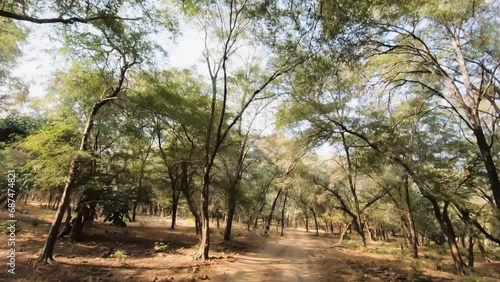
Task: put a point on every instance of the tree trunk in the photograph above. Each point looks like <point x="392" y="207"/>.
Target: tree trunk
<point x="205" y="220"/>
<point x="230" y="214"/>
<point x="447" y="228"/>
<point x="283" y="213"/>
<point x="342" y="234"/>
<point x="409" y="214"/>
<point x="482" y="249"/>
<point x="489" y="163"/>
<point x="315" y="220"/>
<point x="270" y="217"/>
<point x="50" y="200"/>
<point x="48" y="249"/>
<point x="218" y="216"/>
<point x="175" y="204"/>
<point x="134" y="211"/>
<point x="81" y="218"/>
<point x="471" y="250"/>
<point x="67" y="224"/>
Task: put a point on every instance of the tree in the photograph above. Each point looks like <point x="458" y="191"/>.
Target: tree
<point x="234" y="17"/>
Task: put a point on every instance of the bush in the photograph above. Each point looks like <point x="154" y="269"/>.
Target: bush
<point x="160" y="247"/>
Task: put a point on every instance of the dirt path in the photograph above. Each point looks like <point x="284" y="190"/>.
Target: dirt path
<point x="283" y="259"/>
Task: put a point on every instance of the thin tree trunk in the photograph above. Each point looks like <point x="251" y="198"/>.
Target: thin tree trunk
<point x="230" y="214"/>
<point x="342" y="234"/>
<point x="67" y="224"/>
<point x="489" y="163"/>
<point x="189" y="200"/>
<point x="315" y="220"/>
<point x="471" y="250"/>
<point x="283" y="213"/>
<point x="57" y="201"/>
<point x="175" y="204"/>
<point x="50" y="200"/>
<point x="447" y="228"/>
<point x="270" y="217"/>
<point x="409" y="214"/>
<point x="134" y="211"/>
<point x="352" y="186"/>
<point x="48" y="249"/>
<point x="205" y="219"/>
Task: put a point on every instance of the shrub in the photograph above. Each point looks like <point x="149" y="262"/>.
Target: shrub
<point x="119" y="255"/>
<point x="160" y="247"/>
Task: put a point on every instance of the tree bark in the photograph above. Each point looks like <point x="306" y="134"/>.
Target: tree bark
<point x="315" y="220"/>
<point x="175" y="204"/>
<point x="409" y="214"/>
<point x="205" y="220"/>
<point x="81" y="218"/>
<point x="230" y="214"/>
<point x="189" y="200"/>
<point x="283" y="213"/>
<point x="489" y="163"/>
<point x="67" y="224"/>
<point x="471" y="250"/>
<point x="270" y="217"/>
<point x="343" y="232"/>
<point x="447" y="228"/>
<point x="48" y="249"/>
<point x="134" y="210"/>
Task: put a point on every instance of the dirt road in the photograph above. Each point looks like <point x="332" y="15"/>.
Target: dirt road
<point x="284" y="259"/>
<point x="304" y="257"/>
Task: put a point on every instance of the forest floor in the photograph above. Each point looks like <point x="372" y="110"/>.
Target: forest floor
<point x="128" y="254"/>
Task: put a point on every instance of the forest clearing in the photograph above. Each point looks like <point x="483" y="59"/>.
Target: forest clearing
<point x="250" y="140"/>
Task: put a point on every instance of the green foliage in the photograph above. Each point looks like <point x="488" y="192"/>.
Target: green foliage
<point x="51" y="150"/>
<point x="119" y="255"/>
<point x="160" y="247"/>
<point x="15" y="127"/>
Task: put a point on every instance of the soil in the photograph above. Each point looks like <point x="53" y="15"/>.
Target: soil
<point x="297" y="256"/>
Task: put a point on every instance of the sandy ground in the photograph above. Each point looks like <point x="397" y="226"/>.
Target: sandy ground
<point x="283" y="259"/>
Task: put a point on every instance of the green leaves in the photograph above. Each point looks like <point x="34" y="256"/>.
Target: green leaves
<point x="51" y="150"/>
